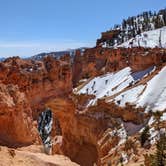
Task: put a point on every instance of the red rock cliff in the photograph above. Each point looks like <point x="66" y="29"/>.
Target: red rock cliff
<point x="25" y="86"/>
<point x="98" y="60"/>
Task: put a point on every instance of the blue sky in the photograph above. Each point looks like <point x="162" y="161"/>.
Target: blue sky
<point x="29" y="27"/>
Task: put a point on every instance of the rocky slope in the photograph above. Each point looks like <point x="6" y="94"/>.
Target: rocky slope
<point x="25" y="87"/>
<point x="92" y="108"/>
<point x="98" y="61"/>
<point x="31" y="156"/>
<point x="93" y="124"/>
<point x="133" y="31"/>
<point x="127" y="100"/>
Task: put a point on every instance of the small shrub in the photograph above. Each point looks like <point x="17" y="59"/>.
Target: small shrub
<point x="12" y="152"/>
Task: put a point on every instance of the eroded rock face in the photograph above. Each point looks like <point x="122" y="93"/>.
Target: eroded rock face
<point x="77" y="132"/>
<point x="25" y="86"/>
<point x="98" y="60"/>
<point x="107" y="37"/>
<point x="16" y="122"/>
<point x="83" y="128"/>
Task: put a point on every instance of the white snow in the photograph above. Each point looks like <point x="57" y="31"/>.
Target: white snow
<point x="109" y="84"/>
<point x="83" y="80"/>
<point x="163" y="118"/>
<point x="122" y="134"/>
<point x="48" y="127"/>
<point x="148" y="39"/>
<point x="151" y="95"/>
<point x="125" y="158"/>
<point x="154" y="95"/>
<point x="153" y="135"/>
<point x="129" y="95"/>
<point x="151" y="121"/>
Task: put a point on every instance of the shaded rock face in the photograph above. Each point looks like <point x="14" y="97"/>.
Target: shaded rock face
<point x="98" y="60"/>
<point x="25" y="86"/>
<point x="107" y="37"/>
<point x="79" y="139"/>
<point x="83" y="129"/>
<point x="16" y="127"/>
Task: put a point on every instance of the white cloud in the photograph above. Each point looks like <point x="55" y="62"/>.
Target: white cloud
<point x="25" y="49"/>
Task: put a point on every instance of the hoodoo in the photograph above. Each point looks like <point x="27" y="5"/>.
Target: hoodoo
<point x="98" y="106"/>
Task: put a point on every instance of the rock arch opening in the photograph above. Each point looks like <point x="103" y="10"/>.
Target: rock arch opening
<point x="49" y="128"/>
<point x="45" y="122"/>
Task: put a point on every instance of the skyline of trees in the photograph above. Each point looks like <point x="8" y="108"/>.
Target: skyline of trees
<point x="135" y="25"/>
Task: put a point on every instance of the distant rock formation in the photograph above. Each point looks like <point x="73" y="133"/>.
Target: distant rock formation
<point x="96" y="61"/>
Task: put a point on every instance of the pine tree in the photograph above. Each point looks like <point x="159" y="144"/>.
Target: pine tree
<point x="157" y="115"/>
<point x="160" y="156"/>
<point x="133" y="26"/>
<point x="124" y="24"/>
<point x="160" y="44"/>
<point x="145" y="136"/>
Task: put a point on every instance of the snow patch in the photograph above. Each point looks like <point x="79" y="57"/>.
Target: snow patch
<point x="155" y="93"/>
<point x="148" y="39"/>
<point x="129" y="95"/>
<point x="163" y="117"/>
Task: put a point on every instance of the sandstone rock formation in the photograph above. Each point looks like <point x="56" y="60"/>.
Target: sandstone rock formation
<point x="99" y="60"/>
<point x="31" y="156"/>
<point x="86" y="134"/>
<point x="107" y="37"/>
<point x="16" y="127"/>
<point x="83" y="128"/>
<point x="25" y="86"/>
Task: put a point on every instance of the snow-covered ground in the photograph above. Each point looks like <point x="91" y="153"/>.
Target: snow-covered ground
<point x="163" y="117"/>
<point x="154" y="96"/>
<point x="154" y="38"/>
<point x="131" y="95"/>
<point x="151" y="95"/>
<point x="109" y="84"/>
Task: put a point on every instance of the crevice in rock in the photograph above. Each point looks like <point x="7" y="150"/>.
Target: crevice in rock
<point x="87" y="155"/>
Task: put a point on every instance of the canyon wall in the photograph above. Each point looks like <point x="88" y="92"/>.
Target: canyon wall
<point x="25" y="86"/>
<point x="82" y="129"/>
<point x="98" y="60"/>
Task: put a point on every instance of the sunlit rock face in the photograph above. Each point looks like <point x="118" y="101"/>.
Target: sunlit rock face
<point x="16" y="121"/>
<point x="39" y="80"/>
<point x="25" y="86"/>
<point x="98" y="60"/>
<point x="83" y="128"/>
